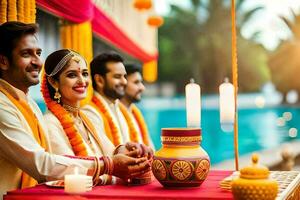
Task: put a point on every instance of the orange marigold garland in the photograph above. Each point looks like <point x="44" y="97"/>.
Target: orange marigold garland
<point x="12" y="10"/>
<point x="20" y="8"/>
<point x="133" y="132"/>
<point x="142" y="124"/>
<point x="3" y="11"/>
<point x="32" y="11"/>
<point x="116" y="135"/>
<point x="66" y="121"/>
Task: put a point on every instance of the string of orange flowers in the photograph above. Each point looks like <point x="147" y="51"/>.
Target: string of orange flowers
<point x="21" y="8"/>
<point x="115" y="133"/>
<point x="142" y="4"/>
<point x="3" y="11"/>
<point x="18" y="10"/>
<point x="133" y="132"/>
<point x="32" y="11"/>
<point x="66" y="121"/>
<point x="12" y="10"/>
<point x="142" y="124"/>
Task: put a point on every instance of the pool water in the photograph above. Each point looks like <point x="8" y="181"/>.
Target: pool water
<point x="258" y="128"/>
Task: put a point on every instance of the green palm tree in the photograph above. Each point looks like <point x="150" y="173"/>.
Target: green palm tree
<point x="284" y="62"/>
<point x="252" y="58"/>
<point x="196" y="42"/>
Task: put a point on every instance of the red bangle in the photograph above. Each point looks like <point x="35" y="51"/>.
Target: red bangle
<point x="116" y="149"/>
<point x="96" y="177"/>
<point x="108" y="165"/>
<point x="111" y="166"/>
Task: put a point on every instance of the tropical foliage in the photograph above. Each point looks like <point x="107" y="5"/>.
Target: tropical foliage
<point x="196" y="43"/>
<point x="284" y="62"/>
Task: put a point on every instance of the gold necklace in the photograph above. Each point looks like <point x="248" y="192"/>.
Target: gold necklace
<point x="71" y="109"/>
<point x="74" y="112"/>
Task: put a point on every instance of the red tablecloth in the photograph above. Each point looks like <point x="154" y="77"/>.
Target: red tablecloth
<point x="208" y="190"/>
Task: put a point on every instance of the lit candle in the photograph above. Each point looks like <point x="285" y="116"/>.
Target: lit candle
<point x="193" y="104"/>
<point x="78" y="183"/>
<point x="227" y="105"/>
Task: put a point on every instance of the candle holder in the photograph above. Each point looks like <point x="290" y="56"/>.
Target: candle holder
<point x="181" y="162"/>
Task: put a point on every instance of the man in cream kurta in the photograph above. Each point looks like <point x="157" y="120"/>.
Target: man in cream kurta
<point x="133" y="94"/>
<point x="20" y="150"/>
<point x="109" y="82"/>
<point x="115" y="113"/>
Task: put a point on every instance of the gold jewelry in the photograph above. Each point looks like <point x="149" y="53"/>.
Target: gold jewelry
<point x="71" y="109"/>
<point x="57" y="95"/>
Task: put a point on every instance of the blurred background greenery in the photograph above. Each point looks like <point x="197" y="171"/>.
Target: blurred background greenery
<point x="195" y="41"/>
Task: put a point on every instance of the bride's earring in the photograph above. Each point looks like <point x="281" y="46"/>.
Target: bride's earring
<point x="57" y="95"/>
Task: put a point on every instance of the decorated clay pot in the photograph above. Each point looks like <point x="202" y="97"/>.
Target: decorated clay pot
<point x="181" y="162"/>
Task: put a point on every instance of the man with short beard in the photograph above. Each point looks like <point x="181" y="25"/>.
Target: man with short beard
<point x="109" y="81"/>
<point x="133" y="94"/>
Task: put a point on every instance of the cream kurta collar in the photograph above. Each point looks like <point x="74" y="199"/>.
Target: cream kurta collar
<point x="106" y="100"/>
<point x="15" y="92"/>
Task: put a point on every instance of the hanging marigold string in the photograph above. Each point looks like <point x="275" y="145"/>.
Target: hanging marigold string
<point x="27" y="11"/>
<point x="150" y="71"/>
<point x="18" y="10"/>
<point x="3" y="11"/>
<point x="32" y="11"/>
<point x="115" y="133"/>
<point x="142" y="4"/>
<point x="133" y="132"/>
<point x="12" y="10"/>
<point x="66" y="121"/>
<point x="235" y="81"/>
<point x="142" y="124"/>
<point x="155" y="21"/>
<point x="21" y="8"/>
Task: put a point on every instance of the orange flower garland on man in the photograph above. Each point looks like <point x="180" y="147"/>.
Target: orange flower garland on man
<point x="64" y="85"/>
<point x="109" y="81"/>
<point x="24" y="151"/>
<point x="133" y="94"/>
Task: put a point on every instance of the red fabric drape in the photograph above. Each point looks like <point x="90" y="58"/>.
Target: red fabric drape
<point x="79" y="11"/>
<point x="108" y="30"/>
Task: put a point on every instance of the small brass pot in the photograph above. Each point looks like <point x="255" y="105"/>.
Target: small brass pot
<point x="254" y="183"/>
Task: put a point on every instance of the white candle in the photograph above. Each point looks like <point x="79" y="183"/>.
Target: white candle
<point x="193" y="104"/>
<point x="227" y="103"/>
<point x="78" y="183"/>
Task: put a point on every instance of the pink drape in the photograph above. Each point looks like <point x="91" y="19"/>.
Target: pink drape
<point x="79" y="11"/>
<point x="106" y="29"/>
<point x="73" y="10"/>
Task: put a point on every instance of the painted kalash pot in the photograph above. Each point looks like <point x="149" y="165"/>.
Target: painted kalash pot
<point x="181" y="162"/>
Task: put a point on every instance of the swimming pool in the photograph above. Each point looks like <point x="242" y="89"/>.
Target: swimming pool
<point x="258" y="127"/>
